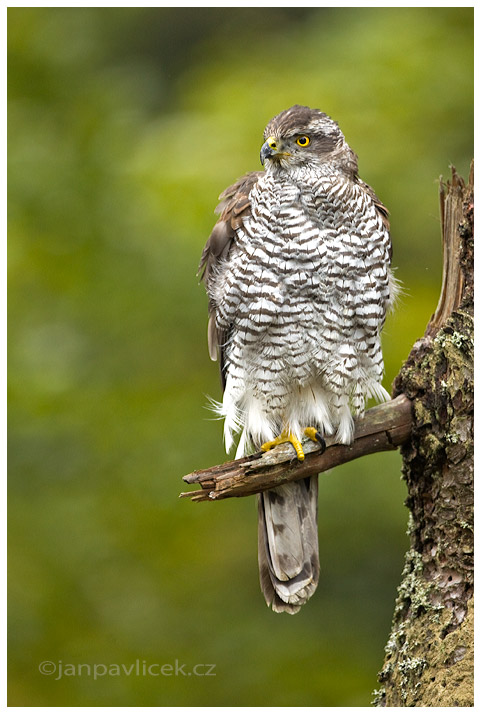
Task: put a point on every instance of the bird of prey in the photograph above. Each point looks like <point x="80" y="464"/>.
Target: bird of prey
<point x="297" y="270"/>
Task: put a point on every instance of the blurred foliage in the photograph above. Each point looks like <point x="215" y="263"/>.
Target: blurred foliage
<point x="124" y="126"/>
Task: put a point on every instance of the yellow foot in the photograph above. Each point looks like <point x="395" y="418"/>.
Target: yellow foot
<point x="286" y="437"/>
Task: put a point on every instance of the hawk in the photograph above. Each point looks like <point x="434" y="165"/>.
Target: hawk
<point x="297" y="270"/>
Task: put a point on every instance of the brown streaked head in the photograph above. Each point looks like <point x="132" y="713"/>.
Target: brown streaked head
<point x="300" y="135"/>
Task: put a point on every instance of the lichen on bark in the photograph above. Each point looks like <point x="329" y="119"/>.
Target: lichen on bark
<point x="429" y="655"/>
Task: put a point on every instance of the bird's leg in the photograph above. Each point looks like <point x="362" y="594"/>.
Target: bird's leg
<point x="287" y="436"/>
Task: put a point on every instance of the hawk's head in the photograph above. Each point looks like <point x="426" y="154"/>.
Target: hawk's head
<point x="301" y="135"/>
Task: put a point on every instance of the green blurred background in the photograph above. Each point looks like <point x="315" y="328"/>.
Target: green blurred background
<point x="124" y="126"/>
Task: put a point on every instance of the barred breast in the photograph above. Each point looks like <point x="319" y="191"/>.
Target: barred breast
<point x="305" y="293"/>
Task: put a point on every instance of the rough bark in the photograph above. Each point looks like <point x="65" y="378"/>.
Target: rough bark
<point x="429" y="655"/>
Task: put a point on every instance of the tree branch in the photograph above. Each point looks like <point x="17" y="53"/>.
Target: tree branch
<point x="454" y="277"/>
<point x="383" y="428"/>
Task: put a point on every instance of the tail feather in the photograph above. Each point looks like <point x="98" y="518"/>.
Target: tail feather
<point x="288" y="558"/>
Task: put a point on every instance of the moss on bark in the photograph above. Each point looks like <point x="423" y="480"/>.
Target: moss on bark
<point x="429" y="655"/>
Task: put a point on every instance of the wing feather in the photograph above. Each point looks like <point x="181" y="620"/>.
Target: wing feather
<point x="234" y="207"/>
<point x="379" y="206"/>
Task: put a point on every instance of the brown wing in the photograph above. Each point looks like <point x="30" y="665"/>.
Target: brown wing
<point x="234" y="207"/>
<point x="381" y="208"/>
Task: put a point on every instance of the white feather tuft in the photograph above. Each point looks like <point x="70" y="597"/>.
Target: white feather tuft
<point x="344" y="433"/>
<point x="242" y="448"/>
<point x="377" y="391"/>
<point x="309" y="406"/>
<point x="396" y="290"/>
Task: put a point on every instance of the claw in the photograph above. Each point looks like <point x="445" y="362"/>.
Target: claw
<point x="316" y="436"/>
<point x="286" y="437"/>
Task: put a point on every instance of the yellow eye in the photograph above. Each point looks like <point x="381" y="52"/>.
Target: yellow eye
<point x="303" y="141"/>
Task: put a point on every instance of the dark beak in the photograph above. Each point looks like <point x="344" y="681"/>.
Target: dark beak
<point x="266" y="152"/>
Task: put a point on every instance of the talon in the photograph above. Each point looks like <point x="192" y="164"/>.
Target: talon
<point x="316" y="436"/>
<point x="321" y="440"/>
<point x="286" y="437"/>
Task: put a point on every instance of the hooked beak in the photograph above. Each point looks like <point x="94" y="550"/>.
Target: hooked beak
<point x="269" y="149"/>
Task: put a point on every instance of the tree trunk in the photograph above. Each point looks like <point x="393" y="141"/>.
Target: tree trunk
<point x="429" y="655"/>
